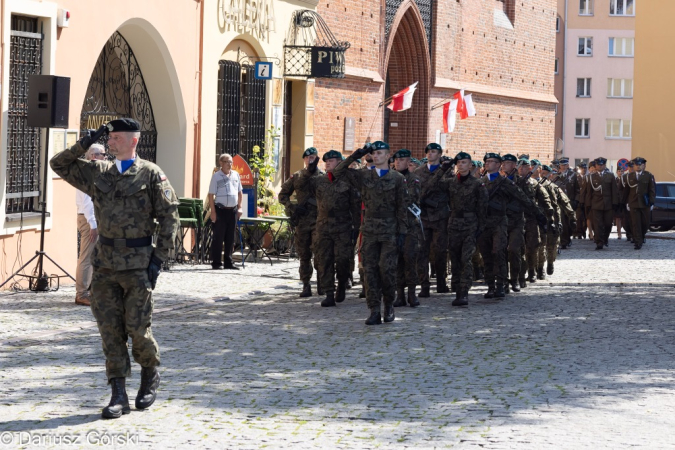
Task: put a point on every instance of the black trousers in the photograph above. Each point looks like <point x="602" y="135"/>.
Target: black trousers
<point x="223" y="231"/>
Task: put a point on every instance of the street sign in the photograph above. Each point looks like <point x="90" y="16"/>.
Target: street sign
<point x="263" y="70"/>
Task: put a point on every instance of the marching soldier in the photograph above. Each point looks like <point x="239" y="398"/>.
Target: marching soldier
<point x="570" y="185"/>
<point x="640" y="199"/>
<point x="580" y="174"/>
<point x="552" y="227"/>
<point x="384" y="228"/>
<point x="602" y="195"/>
<point x="565" y="211"/>
<point x="303" y="217"/>
<point x="129" y="195"/>
<point x="516" y="227"/>
<point x="627" y="219"/>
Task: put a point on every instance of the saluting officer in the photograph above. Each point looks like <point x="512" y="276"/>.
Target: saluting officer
<point x="129" y="194"/>
<point x="640" y="199"/>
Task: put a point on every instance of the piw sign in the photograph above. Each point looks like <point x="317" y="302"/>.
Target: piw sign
<point x="240" y="166"/>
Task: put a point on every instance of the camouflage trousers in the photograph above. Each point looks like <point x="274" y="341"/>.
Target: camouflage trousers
<point x="122" y="305"/>
<point x="516" y="240"/>
<point x="379" y="255"/>
<point x="303" y="247"/>
<point x="477" y="259"/>
<point x="548" y="250"/>
<point x="333" y="254"/>
<point x="406" y="272"/>
<point x="530" y="251"/>
<point x="436" y="238"/>
<point x="462" y="253"/>
<point x="492" y="244"/>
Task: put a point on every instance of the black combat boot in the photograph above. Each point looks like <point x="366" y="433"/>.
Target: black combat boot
<point x="522" y="283"/>
<point x="462" y="299"/>
<point x="432" y="273"/>
<point x="341" y="292"/>
<point x="329" y="300"/>
<point x="500" y="292"/>
<point x="599" y="246"/>
<point x="412" y="298"/>
<point x="532" y="276"/>
<point x="362" y="294"/>
<point x="147" y="393"/>
<point x="540" y="273"/>
<point x="481" y="274"/>
<point x="475" y="273"/>
<point x="306" y="290"/>
<point x="119" y="402"/>
<point x="389" y="313"/>
<point x="454" y="287"/>
<point x="400" y="297"/>
<point x="490" y="293"/>
<point x="507" y="289"/>
<point x="319" y="289"/>
<point x="514" y="286"/>
<point x="441" y="285"/>
<point x="549" y="268"/>
<point x="424" y="292"/>
<point x="375" y="318"/>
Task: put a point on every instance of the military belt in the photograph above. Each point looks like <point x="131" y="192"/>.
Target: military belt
<point x="462" y="214"/>
<point x="120" y="243"/>
<point x="380" y="216"/>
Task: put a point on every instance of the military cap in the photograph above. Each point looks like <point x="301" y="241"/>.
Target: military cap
<point x="391" y="160"/>
<point x="639" y="160"/>
<point x="535" y="162"/>
<point x="592" y="164"/>
<point x="379" y="145"/>
<point x="546" y="168"/>
<point x="424" y="161"/>
<point x="509" y="157"/>
<point x="555" y="162"/>
<point x="630" y="164"/>
<point x="462" y="155"/>
<point x="602" y="161"/>
<point x="523" y="162"/>
<point x="415" y="161"/>
<point x="492" y="156"/>
<point x="310" y="151"/>
<point x="332" y="154"/>
<point x="583" y="165"/>
<point x="433" y="146"/>
<point x="403" y="153"/>
<point x="564" y="160"/>
<point x="124" y="124"/>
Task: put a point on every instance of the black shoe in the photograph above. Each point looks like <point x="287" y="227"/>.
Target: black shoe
<point x="507" y="290"/>
<point x="532" y="278"/>
<point x="500" y="292"/>
<point x="461" y="300"/>
<point x="217" y="267"/>
<point x="514" y="286"/>
<point x="424" y="292"/>
<point x="412" y="298"/>
<point x="432" y="274"/>
<point x="329" y="300"/>
<point x="490" y="293"/>
<point x="230" y="267"/>
<point x="481" y="274"/>
<point x="389" y="313"/>
<point x="147" y="393"/>
<point x="319" y="289"/>
<point x="549" y="268"/>
<point x="599" y="246"/>
<point x="349" y="283"/>
<point x="454" y="287"/>
<point x="637" y="246"/>
<point x="341" y="292"/>
<point x="522" y="283"/>
<point x="564" y="247"/>
<point x="375" y="318"/>
<point x="540" y="274"/>
<point x="400" y="297"/>
<point x="442" y="287"/>
<point x="119" y="402"/>
<point x="306" y="290"/>
<point x="362" y="294"/>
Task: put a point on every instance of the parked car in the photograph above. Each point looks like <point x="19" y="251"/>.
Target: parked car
<point x="663" y="214"/>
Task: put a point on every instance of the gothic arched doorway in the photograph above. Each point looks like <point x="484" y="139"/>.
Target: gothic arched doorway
<point x="117" y="89"/>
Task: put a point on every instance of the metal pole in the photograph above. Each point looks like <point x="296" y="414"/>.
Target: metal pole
<point x="44" y="204"/>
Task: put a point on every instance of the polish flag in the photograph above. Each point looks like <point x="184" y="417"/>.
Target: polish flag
<point x="403" y="100"/>
<point x="449" y="116"/>
<point x="460" y="104"/>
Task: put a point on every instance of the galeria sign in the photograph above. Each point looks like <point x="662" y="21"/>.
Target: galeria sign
<point x="255" y="17"/>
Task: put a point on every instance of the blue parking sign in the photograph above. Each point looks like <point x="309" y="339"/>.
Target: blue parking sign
<point x="263" y="70"/>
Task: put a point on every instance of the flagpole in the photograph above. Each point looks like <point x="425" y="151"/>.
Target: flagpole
<point x="441" y="103"/>
<point x="385" y="101"/>
<point x="374" y="119"/>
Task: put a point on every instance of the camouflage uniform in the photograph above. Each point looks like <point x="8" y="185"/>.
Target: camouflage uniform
<point x="554" y="236"/>
<point x="530" y="253"/>
<point x="408" y="259"/>
<point x="515" y="231"/>
<point x="126" y="206"/>
<point x="569" y="184"/>
<point x="385" y="217"/>
<point x="298" y="183"/>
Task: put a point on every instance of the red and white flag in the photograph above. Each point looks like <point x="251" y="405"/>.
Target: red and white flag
<point x="461" y="105"/>
<point x="403" y="100"/>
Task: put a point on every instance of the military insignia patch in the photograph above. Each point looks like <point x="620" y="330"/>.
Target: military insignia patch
<point x="162" y="177"/>
<point x="167" y="193"/>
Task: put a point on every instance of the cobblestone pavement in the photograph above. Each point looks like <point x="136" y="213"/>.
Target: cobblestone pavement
<point x="582" y="360"/>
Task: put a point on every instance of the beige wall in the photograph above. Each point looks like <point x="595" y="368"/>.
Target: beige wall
<point x="601" y="20"/>
<point x="653" y="130"/>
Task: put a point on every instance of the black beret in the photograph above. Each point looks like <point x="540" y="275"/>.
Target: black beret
<point x="546" y="168"/>
<point x="639" y="160"/>
<point x="602" y="161"/>
<point x="403" y="153"/>
<point x="310" y="151"/>
<point x="509" y="157"/>
<point x="492" y="156"/>
<point x="462" y="155"/>
<point x="379" y="145"/>
<point x="332" y="154"/>
<point x="433" y="146"/>
<point x="124" y="124"/>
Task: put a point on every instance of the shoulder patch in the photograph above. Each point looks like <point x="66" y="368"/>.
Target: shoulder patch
<point x="162" y="177"/>
<point x="167" y="193"/>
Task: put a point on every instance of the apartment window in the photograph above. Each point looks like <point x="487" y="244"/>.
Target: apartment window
<point x="557" y="24"/>
<point x="583" y="87"/>
<point x="582" y="128"/>
<point x="557" y="66"/>
<point x="622" y="7"/>
<point x="618" y="129"/>
<point x="556" y="109"/>
<point x="585" y="46"/>
<point x="621" y="47"/>
<point x="585" y="7"/>
<point x="619" y="88"/>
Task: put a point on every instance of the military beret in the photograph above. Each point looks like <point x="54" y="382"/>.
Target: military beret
<point x="602" y="161"/>
<point x="492" y="156"/>
<point x="523" y="162"/>
<point x="433" y="146"/>
<point x="478" y="164"/>
<point x="415" y="161"/>
<point x="509" y="157"/>
<point x="535" y="162"/>
<point x="379" y="145"/>
<point x="583" y="165"/>
<point x="310" y="151"/>
<point x="332" y="154"/>
<point x="358" y="161"/>
<point x="564" y="160"/>
<point x="391" y="160"/>
<point x="462" y="155"/>
<point x="639" y="160"/>
<point x="555" y="162"/>
<point x="403" y="153"/>
<point x="124" y="124"/>
<point x="546" y="168"/>
<point x="424" y="161"/>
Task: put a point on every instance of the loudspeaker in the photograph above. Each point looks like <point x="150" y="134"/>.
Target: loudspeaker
<point x="48" y="101"/>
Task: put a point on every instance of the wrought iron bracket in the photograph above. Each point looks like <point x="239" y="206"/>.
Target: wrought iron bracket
<point x="261" y="58"/>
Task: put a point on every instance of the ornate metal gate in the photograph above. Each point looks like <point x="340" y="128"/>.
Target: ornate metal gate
<point x="252" y="112"/>
<point x="117" y="89"/>
<point x="23" y="142"/>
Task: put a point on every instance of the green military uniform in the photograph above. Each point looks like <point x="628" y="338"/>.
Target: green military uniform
<point x="603" y="197"/>
<point x="641" y="197"/>
<point x="554" y="234"/>
<point x="126" y="207"/>
<point x="515" y="218"/>
<point x="569" y="183"/>
<point x="303" y="216"/>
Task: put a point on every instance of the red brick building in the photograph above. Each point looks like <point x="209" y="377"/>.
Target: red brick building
<point x="501" y="51"/>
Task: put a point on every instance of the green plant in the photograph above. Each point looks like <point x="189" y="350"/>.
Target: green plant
<point x="261" y="162"/>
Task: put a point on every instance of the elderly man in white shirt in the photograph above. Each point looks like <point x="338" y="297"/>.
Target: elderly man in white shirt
<point x="225" y="196"/>
<point x="86" y="225"/>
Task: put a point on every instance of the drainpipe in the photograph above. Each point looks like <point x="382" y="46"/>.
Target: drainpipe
<point x="561" y="110"/>
<point x="197" y="156"/>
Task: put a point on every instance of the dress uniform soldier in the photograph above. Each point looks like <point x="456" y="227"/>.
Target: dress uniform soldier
<point x="580" y="174"/>
<point x="435" y="213"/>
<point x="515" y="226"/>
<point x="627" y="219"/>
<point x="406" y="275"/>
<point x="384" y="228"/>
<point x="493" y="240"/>
<point x="570" y="186"/>
<point x="566" y="211"/>
<point x="641" y="199"/>
<point x="129" y="195"/>
<point x="586" y="195"/>
<point x="303" y="217"/>
<point x="602" y="194"/>
<point x="333" y="247"/>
